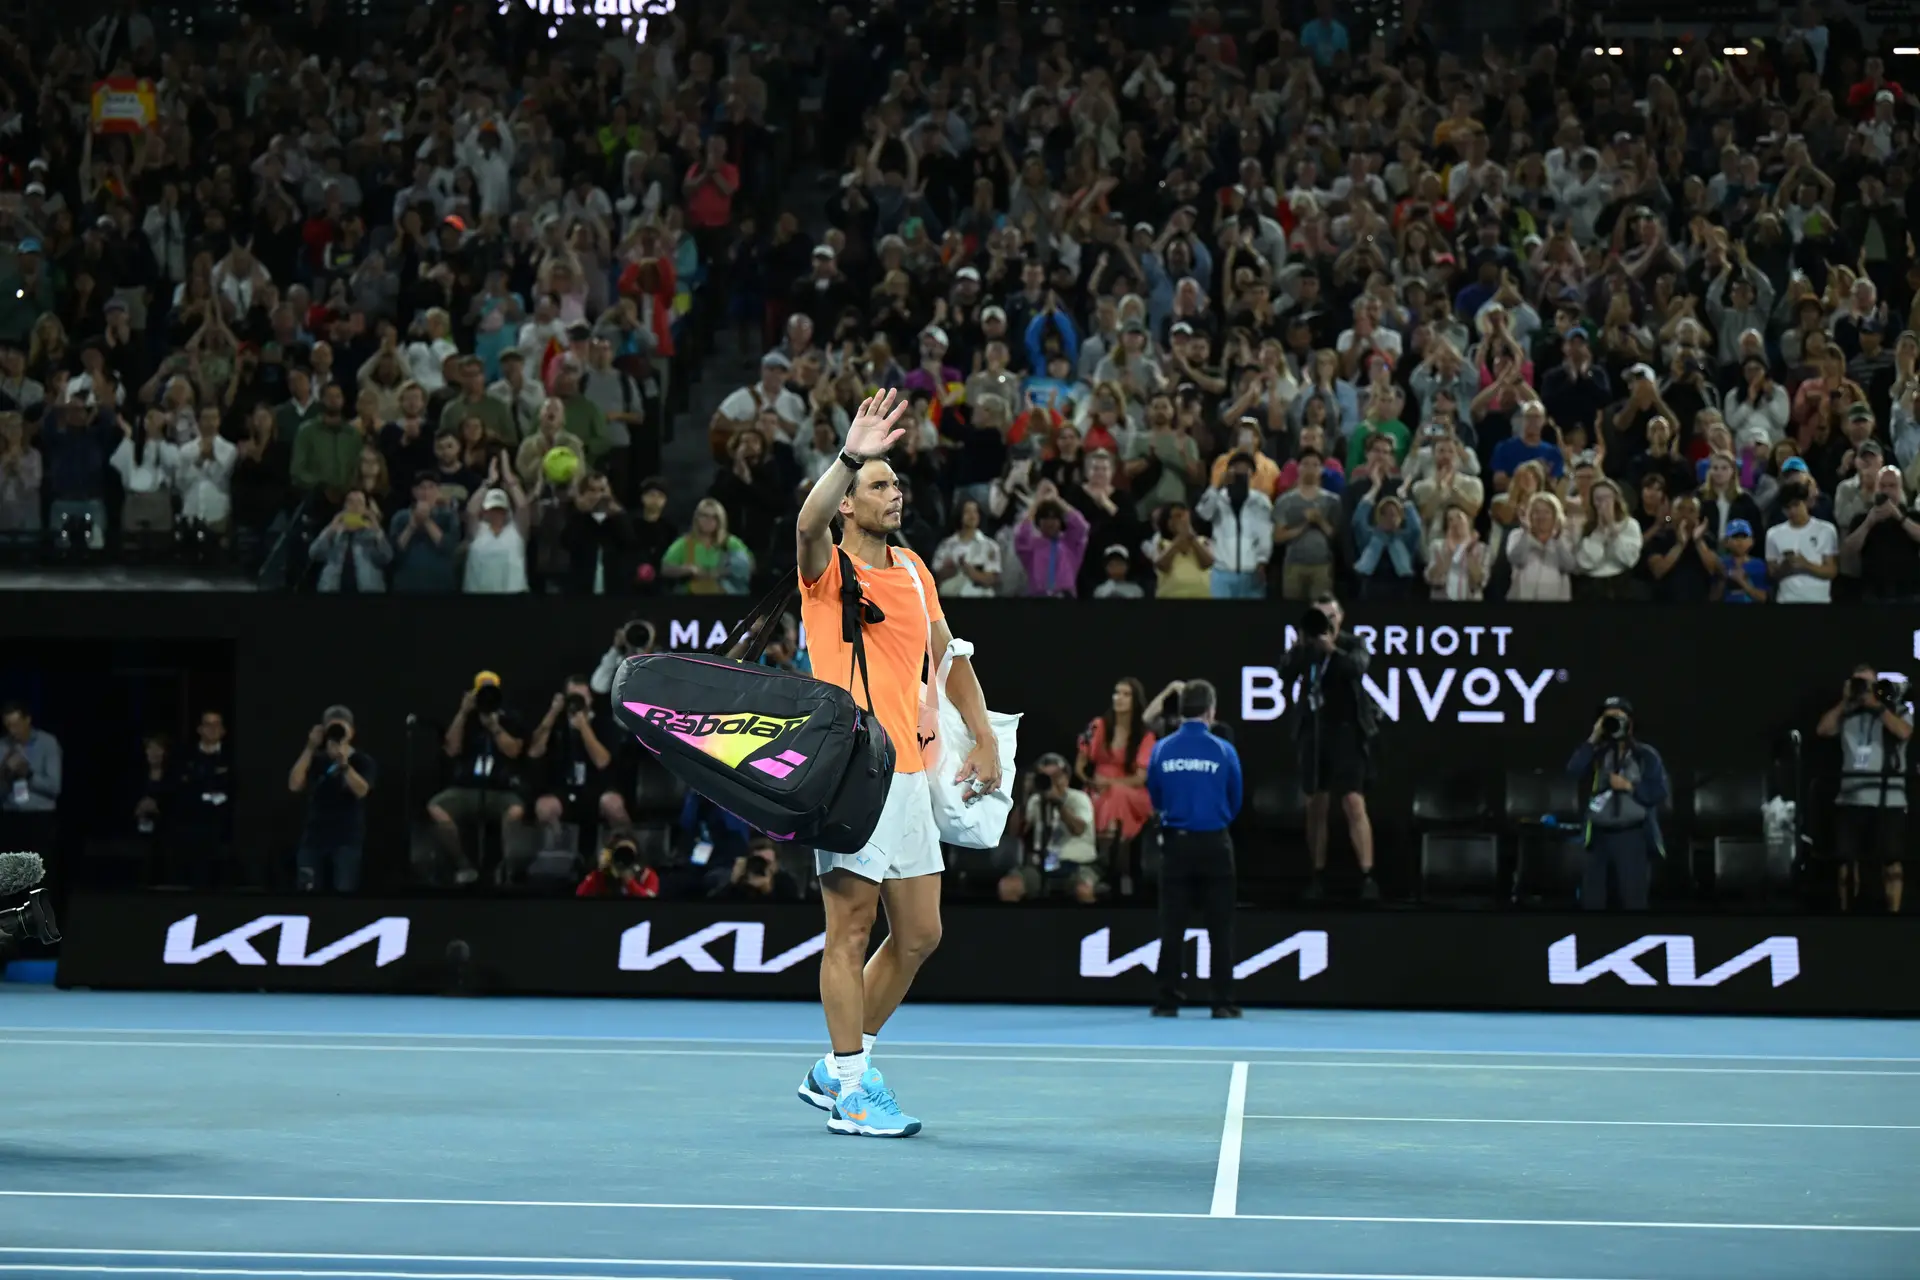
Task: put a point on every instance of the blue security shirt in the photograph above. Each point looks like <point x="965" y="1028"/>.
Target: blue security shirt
<point x="1194" y="779"/>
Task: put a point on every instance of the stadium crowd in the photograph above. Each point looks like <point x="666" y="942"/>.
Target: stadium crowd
<point x="1270" y="310"/>
<point x="1242" y="310"/>
<point x="405" y="306"/>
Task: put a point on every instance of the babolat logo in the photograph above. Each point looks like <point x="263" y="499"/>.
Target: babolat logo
<point x="730" y="739"/>
<point x="699" y="726"/>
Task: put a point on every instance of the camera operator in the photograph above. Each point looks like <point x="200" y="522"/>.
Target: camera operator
<point x="622" y="872"/>
<point x="1623" y="782"/>
<point x="629" y="638"/>
<point x="484" y="741"/>
<point x="1059" y="854"/>
<point x="1873" y="722"/>
<point x="756" y="876"/>
<point x="336" y="777"/>
<point x="1334" y="734"/>
<point x="581" y="775"/>
<point x="1195" y="781"/>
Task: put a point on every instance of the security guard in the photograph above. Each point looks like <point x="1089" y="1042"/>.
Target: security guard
<point x="1194" y="779"/>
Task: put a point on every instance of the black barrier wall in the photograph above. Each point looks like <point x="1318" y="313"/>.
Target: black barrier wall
<point x="1056" y="955"/>
<point x="1482" y="687"/>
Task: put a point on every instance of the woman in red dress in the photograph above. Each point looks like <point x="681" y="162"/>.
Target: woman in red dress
<point x="1114" y="752"/>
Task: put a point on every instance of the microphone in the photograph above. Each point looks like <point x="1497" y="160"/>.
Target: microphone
<point x="19" y="873"/>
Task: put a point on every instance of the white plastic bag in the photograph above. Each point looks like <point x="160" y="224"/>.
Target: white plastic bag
<point x="964" y="818"/>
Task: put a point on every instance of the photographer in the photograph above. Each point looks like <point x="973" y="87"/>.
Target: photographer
<point x="336" y="777"/>
<point x="1873" y="722"/>
<point x="629" y="638"/>
<point x="1334" y="734"/>
<point x="621" y="873"/>
<point x="1623" y="783"/>
<point x="484" y="741"/>
<point x="1059" y="854"/>
<point x="756" y="876"/>
<point x="581" y="780"/>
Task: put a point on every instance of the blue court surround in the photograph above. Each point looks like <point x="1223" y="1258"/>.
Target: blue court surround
<point x="373" y="1137"/>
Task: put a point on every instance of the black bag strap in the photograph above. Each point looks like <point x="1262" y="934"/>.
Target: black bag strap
<point x="854" y="611"/>
<point x="753" y="633"/>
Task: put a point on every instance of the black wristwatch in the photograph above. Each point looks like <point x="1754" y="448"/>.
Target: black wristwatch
<point x="850" y="462"/>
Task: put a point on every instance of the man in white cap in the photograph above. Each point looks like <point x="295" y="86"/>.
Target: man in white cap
<point x="741" y="409"/>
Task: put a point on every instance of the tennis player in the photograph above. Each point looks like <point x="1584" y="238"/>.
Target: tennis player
<point x="901" y="863"/>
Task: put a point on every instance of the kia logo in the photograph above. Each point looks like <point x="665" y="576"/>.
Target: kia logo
<point x="1564" y="969"/>
<point x="388" y="934"/>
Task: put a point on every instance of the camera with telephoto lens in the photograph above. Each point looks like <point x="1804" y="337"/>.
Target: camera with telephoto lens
<point x="759" y="864"/>
<point x="1889" y="691"/>
<point x="623" y="856"/>
<point x="575" y="704"/>
<point x="486" y="699"/>
<point x="1314" y="623"/>
<point x="1613" y="726"/>
<point x="336" y="732"/>
<point x="636" y="637"/>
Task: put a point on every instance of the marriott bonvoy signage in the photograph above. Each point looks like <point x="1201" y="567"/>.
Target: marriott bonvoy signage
<point x="1451" y="674"/>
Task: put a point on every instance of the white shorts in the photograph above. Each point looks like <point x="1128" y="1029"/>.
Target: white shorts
<point x="904" y="845"/>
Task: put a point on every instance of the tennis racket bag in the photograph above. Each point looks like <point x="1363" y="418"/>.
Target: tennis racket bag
<point x="792" y="756"/>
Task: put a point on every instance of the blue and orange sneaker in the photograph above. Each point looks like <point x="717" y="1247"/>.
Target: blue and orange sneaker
<point x="821" y="1087"/>
<point x="870" y="1111"/>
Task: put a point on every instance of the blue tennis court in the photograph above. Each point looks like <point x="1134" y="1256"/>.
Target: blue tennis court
<point x="291" y="1136"/>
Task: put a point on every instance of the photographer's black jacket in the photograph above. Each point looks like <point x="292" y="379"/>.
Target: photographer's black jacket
<point x="1348" y="661"/>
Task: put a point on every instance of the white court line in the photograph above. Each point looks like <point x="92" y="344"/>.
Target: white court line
<point x="903" y="1042"/>
<point x="903" y="1056"/>
<point x="1226" y="1179"/>
<point x="1649" y="1124"/>
<point x="776" y="1266"/>
<point x="950" y="1211"/>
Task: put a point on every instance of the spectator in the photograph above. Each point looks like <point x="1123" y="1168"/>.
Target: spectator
<point x="1112" y="764"/>
<point x="1802" y="550"/>
<point x="575" y="747"/>
<point x="425" y="536"/>
<point x="1542" y="553"/>
<point x="1242" y="520"/>
<point x="262" y="464"/>
<point x="475" y="401"/>
<point x="326" y="451"/>
<point x="529" y="461"/>
<point x="967" y="562"/>
<point x="1680" y="555"/>
<point x="1116" y="585"/>
<point x="353" y="551"/>
<point x="653" y="533"/>
<point x="1182" y="558"/>
<point x="1883" y="537"/>
<point x="1387" y="544"/>
<point x="1457" y="559"/>
<point x="1307" y="522"/>
<point x="1743" y="576"/>
<point x="146" y="464"/>
<point x="205" y="474"/>
<point x="1607" y="545"/>
<point x="1051" y="540"/>
<point x="20" y="475"/>
<point x="752" y="494"/>
<point x="708" y="560"/>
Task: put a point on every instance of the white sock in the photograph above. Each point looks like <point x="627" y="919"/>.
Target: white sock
<point x="847" y="1069"/>
<point x="866" y="1045"/>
